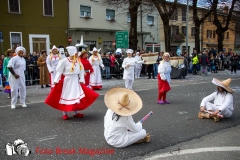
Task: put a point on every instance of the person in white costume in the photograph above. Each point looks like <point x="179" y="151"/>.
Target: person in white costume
<point x="128" y="65"/>
<point x="62" y="53"/>
<point x="138" y="66"/>
<point x="96" y="61"/>
<point x="222" y="106"/>
<point x="52" y="62"/>
<point x="73" y="72"/>
<point x="120" y="130"/>
<point x="17" y="66"/>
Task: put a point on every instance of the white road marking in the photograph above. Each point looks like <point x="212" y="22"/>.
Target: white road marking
<point x="46" y="138"/>
<point x="192" y="151"/>
<point x="183" y="112"/>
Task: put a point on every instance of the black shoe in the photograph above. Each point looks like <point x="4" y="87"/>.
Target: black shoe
<point x="41" y="86"/>
<point x="149" y="77"/>
<point x="47" y="85"/>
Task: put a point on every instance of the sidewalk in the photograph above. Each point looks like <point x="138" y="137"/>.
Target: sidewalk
<point x="224" y="144"/>
<point x="36" y="94"/>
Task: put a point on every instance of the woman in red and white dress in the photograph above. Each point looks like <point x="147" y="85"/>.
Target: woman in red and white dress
<point x="96" y="78"/>
<point x="70" y="93"/>
<point x="52" y="62"/>
<point x="87" y="66"/>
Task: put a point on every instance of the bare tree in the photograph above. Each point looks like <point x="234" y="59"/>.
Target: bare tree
<point x="217" y="22"/>
<point x="198" y="21"/>
<point x="165" y="15"/>
<point x="133" y="11"/>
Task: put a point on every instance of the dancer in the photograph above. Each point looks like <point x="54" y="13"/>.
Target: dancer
<point x="52" y="62"/>
<point x="128" y="65"/>
<point x="17" y="66"/>
<point x="138" y="66"/>
<point x="70" y="94"/>
<point x="96" y="61"/>
<point x="164" y="79"/>
<point x="87" y="66"/>
<point x="44" y="76"/>
<point x="9" y="53"/>
<point x="222" y="102"/>
<point x="120" y="130"/>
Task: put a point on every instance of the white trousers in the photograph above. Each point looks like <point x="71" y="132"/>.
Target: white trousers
<point x="14" y="96"/>
<point x="226" y="113"/>
<point x="129" y="83"/>
<point x="132" y="138"/>
<point x="137" y="72"/>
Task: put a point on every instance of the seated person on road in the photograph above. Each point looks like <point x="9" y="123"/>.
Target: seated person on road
<point x="223" y="102"/>
<point x="120" y="130"/>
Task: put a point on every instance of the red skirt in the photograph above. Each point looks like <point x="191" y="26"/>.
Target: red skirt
<point x="87" y="78"/>
<point x="54" y="97"/>
<point x="163" y="86"/>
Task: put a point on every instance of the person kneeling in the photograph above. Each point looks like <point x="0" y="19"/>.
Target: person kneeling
<point x="223" y="102"/>
<point x="120" y="130"/>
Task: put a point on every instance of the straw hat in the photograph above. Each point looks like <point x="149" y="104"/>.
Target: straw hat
<point x="9" y="50"/>
<point x="224" y="84"/>
<point x="123" y="101"/>
<point x="82" y="53"/>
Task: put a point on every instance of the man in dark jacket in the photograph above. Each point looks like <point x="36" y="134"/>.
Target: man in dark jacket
<point x="204" y="62"/>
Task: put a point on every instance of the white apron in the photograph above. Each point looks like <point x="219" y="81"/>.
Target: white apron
<point x="96" y="77"/>
<point x="52" y="65"/>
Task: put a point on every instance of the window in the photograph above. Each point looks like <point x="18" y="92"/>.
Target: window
<point x="110" y="14"/>
<point x="209" y="33"/>
<point x="14" y="6"/>
<point x="128" y="17"/>
<point x="150" y="20"/>
<point x="85" y="11"/>
<point x="174" y="30"/>
<point x="15" y="39"/>
<point x="184" y="14"/>
<point x="48" y="7"/>
<point x="227" y="35"/>
<point x="214" y="34"/>
<point x="193" y="31"/>
<point x="174" y="16"/>
<point x="184" y="31"/>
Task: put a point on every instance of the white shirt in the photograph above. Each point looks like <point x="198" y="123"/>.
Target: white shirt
<point x="221" y="100"/>
<point x="129" y="71"/>
<point x="164" y="69"/>
<point x="115" y="132"/>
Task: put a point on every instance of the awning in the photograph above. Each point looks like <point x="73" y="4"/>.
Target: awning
<point x="104" y="30"/>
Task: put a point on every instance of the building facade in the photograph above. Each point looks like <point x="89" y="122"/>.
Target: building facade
<point x="210" y="39"/>
<point x="98" y="22"/>
<point x="178" y="30"/>
<point x="36" y="25"/>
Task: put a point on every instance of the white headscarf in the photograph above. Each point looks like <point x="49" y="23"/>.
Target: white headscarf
<point x="54" y="47"/>
<point x="72" y="50"/>
<point x="129" y="51"/>
<point x="20" y="48"/>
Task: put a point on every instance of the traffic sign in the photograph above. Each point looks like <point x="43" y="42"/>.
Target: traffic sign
<point x="122" y="39"/>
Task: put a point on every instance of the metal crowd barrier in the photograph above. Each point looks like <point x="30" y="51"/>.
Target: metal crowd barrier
<point x="32" y="74"/>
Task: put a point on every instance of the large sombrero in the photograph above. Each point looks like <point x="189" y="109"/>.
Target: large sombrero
<point x="123" y="101"/>
<point x="224" y="84"/>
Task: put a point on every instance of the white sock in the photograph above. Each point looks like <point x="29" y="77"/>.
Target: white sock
<point x="64" y="113"/>
<point x="76" y="112"/>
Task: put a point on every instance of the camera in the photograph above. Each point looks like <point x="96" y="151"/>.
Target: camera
<point x="17" y="147"/>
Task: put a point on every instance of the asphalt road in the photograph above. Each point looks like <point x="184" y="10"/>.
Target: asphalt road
<point x="42" y="128"/>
